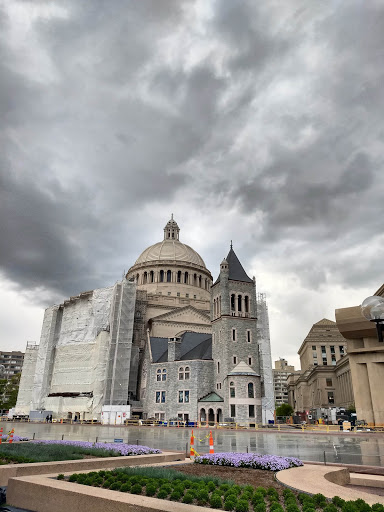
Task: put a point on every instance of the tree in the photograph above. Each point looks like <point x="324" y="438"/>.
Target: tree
<point x="8" y="391"/>
<point x="284" y="410"/>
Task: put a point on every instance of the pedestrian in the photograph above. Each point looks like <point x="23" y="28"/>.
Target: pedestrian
<point x="340" y="422"/>
<point x="47" y="419"/>
<point x="50" y="418"/>
<point x="75" y="419"/>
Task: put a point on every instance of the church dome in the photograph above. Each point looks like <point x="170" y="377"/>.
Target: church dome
<point x="170" y="249"/>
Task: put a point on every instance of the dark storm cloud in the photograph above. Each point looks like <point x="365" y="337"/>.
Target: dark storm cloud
<point x="114" y="109"/>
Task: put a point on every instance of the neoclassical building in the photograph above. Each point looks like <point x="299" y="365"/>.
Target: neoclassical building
<point x="165" y="340"/>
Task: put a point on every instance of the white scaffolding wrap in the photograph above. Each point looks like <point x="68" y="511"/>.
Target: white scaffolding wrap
<point x="268" y="400"/>
<point x="24" y="397"/>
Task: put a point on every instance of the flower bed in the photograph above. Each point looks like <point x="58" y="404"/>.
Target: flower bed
<point x="16" y="439"/>
<point x="214" y="493"/>
<point x="249" y="460"/>
<point x="119" y="448"/>
<point x="49" y="451"/>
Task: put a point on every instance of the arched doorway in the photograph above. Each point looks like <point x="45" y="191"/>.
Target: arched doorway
<point x="219" y="416"/>
<point x="203" y="416"/>
<point x="211" y="417"/>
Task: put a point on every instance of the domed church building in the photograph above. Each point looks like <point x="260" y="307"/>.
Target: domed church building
<point x="165" y="342"/>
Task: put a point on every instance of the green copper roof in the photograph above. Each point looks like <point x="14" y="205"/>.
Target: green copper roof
<point x="212" y="397"/>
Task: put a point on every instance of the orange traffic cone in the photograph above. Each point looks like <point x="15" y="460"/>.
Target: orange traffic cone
<point x="1" y="434"/>
<point x="192" y="452"/>
<point x="11" y="436"/>
<point x="211" y="448"/>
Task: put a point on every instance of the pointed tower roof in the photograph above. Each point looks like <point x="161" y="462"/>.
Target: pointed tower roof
<point x="236" y="270"/>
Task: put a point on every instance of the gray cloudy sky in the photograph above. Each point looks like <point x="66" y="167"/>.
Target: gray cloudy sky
<point x="260" y="122"/>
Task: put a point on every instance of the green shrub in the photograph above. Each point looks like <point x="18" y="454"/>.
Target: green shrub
<point x="202" y="496"/>
<point x="187" y="484"/>
<point x="287" y="492"/>
<point x="319" y="500"/>
<point x="260" y="507"/>
<point x="308" y="507"/>
<point x="349" y="506"/>
<point x="188" y="497"/>
<point x="362" y="506"/>
<point x="210" y="486"/>
<point x="162" y="494"/>
<point x="136" y="489"/>
<point x="175" y="496"/>
<point x="378" y="507"/>
<point x="242" y="506"/>
<point x="339" y="502"/>
<point x="216" y="501"/>
<point x="330" y="508"/>
<point x="292" y="508"/>
<point x="257" y="498"/>
<point x="271" y="491"/>
<point x="126" y="487"/>
<point x="115" y="486"/>
<point x="73" y="478"/>
<point x="275" y="507"/>
<point x="150" y="490"/>
<point x="236" y="489"/>
<point x="230" y="502"/>
<point x="261" y="490"/>
<point x="224" y="487"/>
<point x="60" y="476"/>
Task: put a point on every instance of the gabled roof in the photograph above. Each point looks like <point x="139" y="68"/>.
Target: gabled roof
<point x="236" y="270"/>
<point x="211" y="397"/>
<point x="194" y="345"/>
<point x="243" y="369"/>
<point x="183" y="315"/>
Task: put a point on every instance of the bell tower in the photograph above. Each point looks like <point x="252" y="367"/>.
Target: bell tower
<point x="235" y="349"/>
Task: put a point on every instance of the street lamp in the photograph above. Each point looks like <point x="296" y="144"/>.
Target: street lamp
<point x="373" y="310"/>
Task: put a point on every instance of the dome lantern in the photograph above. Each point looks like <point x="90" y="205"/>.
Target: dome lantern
<point x="171" y="230"/>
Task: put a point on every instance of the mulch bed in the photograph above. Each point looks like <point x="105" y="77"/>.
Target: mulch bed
<point x="241" y="476"/>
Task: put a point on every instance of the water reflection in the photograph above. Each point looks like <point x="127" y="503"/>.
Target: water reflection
<point x="343" y="448"/>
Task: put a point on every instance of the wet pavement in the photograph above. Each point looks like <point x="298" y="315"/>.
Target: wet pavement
<point x="346" y="448"/>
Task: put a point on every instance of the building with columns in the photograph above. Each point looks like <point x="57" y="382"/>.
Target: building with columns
<point x="366" y="360"/>
<point x="324" y="380"/>
<point x="165" y="340"/>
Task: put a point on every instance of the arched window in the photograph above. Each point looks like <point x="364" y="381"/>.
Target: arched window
<point x="246" y="304"/>
<point x="194" y="280"/>
<point x="232" y="390"/>
<point x="158" y="375"/>
<point x="186" y="278"/>
<point x="173" y="234"/>
<point x="233" y="302"/>
<point x="169" y="276"/>
<point x="137" y="278"/>
<point x="184" y="373"/>
<point x="161" y="276"/>
<point x="199" y="281"/>
<point x="145" y="277"/>
<point x="164" y="374"/>
<point x="218" y="366"/>
<point x="179" y="276"/>
<point x="239" y="303"/>
<point x="151" y="276"/>
<point x="251" y="392"/>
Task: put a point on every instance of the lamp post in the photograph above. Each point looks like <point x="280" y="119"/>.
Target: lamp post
<point x="372" y="309"/>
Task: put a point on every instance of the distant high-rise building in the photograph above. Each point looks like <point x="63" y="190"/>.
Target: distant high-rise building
<point x="12" y="363"/>
<point x="280" y="376"/>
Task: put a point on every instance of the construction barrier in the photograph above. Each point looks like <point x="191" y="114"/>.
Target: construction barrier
<point x="10" y="436"/>
<point x="211" y="447"/>
<point x="1" y="435"/>
<point x="192" y="450"/>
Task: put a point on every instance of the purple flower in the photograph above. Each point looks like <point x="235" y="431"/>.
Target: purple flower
<point x="249" y="460"/>
<point x="120" y="448"/>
